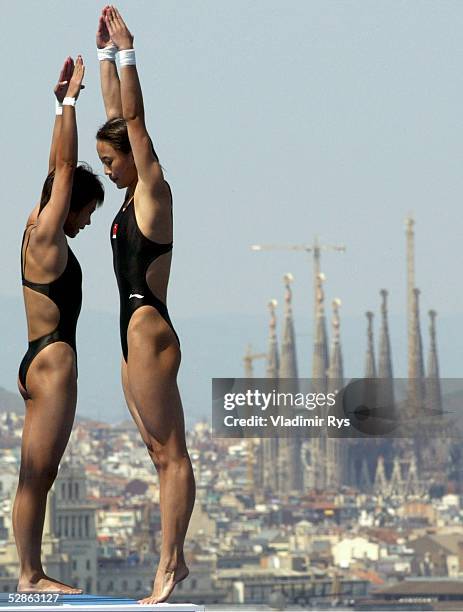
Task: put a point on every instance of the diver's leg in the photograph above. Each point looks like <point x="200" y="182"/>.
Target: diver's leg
<point x="153" y="362"/>
<point x="50" y="410"/>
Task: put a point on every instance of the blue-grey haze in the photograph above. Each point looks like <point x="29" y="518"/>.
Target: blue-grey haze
<point x="212" y="346"/>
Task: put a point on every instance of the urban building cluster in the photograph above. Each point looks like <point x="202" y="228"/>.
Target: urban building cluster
<point x="244" y="545"/>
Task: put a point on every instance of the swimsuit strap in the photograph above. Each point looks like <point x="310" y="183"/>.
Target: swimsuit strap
<point x="125" y="205"/>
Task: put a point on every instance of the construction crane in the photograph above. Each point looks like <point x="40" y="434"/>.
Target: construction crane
<point x="315" y="248"/>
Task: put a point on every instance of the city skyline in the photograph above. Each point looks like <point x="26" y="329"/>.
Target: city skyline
<point x="246" y="543"/>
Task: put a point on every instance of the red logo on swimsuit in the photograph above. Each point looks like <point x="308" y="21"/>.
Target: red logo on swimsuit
<point x="115" y="226"/>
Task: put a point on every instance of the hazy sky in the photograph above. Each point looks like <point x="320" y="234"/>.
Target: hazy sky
<point x="275" y="121"/>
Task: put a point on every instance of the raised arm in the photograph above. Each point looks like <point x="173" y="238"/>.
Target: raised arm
<point x="60" y="91"/>
<point x="54" y="214"/>
<point x="110" y="85"/>
<point x="148" y="167"/>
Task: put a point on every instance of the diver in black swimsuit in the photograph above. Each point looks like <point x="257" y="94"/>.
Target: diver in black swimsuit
<point x="133" y="254"/>
<point x="66" y="293"/>
<point x="141" y="237"/>
<point x="52" y="288"/>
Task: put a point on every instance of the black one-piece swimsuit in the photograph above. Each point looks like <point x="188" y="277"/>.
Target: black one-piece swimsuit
<point x="132" y="255"/>
<point x="66" y="293"/>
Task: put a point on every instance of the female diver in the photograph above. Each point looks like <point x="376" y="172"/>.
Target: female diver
<point x="51" y="278"/>
<point x="141" y="238"/>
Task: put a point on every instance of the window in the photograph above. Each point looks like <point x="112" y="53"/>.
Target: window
<point x="63" y="490"/>
<point x="70" y="490"/>
<point x="87" y="564"/>
<point x="87" y="525"/>
<point x="76" y="490"/>
<point x="74" y="565"/>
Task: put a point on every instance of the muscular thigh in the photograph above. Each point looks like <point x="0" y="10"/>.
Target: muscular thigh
<point x="51" y="405"/>
<point x="149" y="334"/>
<point x="53" y="372"/>
<point x="152" y="381"/>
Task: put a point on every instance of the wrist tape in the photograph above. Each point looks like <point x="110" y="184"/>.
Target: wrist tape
<point x="107" y="53"/>
<point x="127" y="57"/>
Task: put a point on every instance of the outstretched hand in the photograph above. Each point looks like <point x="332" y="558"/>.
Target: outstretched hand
<point x="118" y="31"/>
<point x="103" y="39"/>
<point x="75" y="83"/>
<point x="64" y="78"/>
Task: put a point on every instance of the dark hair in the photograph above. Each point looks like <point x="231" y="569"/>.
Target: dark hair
<point x="115" y="132"/>
<point x="86" y="186"/>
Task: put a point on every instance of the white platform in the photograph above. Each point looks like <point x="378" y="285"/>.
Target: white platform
<point x="87" y="603"/>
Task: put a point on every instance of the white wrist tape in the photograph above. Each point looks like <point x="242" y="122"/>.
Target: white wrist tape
<point x="58" y="108"/>
<point x="127" y="57"/>
<point x="68" y="101"/>
<point x="107" y="53"/>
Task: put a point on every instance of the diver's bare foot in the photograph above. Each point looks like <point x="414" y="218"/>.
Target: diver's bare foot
<point x="44" y="584"/>
<point x="164" y="584"/>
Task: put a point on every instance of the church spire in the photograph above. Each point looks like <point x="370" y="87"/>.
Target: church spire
<point x="433" y="388"/>
<point x="336" y="370"/>
<point x="416" y="390"/>
<point x="370" y="365"/>
<point x="320" y="362"/>
<point x="273" y="359"/>
<point x="288" y="363"/>
<point x="385" y="357"/>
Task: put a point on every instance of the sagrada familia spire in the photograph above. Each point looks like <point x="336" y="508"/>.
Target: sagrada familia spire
<point x="288" y="364"/>
<point x="335" y="448"/>
<point x="269" y="446"/>
<point x="320" y="362"/>
<point x="289" y="448"/>
<point x="370" y="364"/>
<point x="385" y="394"/>
<point x="273" y="358"/>
<point x="439" y="448"/>
<point x="433" y="388"/>
<point x="416" y="395"/>
<point x="336" y="370"/>
<point x="410" y="237"/>
<point x="416" y="390"/>
<point x="385" y="357"/>
<point x="315" y="472"/>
